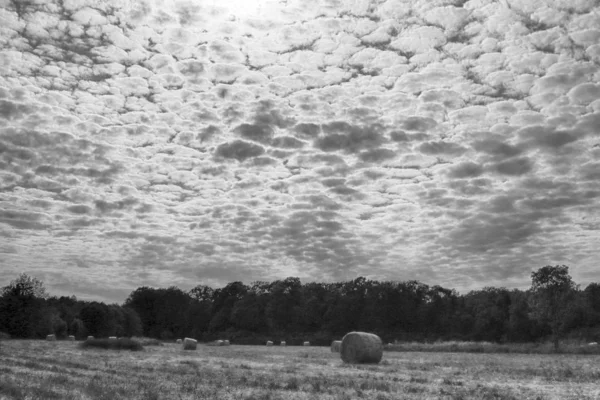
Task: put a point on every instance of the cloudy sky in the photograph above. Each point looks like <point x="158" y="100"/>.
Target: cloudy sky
<point x="182" y="142"/>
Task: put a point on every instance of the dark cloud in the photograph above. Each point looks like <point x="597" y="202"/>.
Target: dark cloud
<point x="307" y="130"/>
<point x="331" y="182"/>
<point x="268" y="114"/>
<point x="107" y="206"/>
<point x="12" y="111"/>
<point x="441" y="148"/>
<point x="79" y="209"/>
<point x="287" y="142"/>
<point x="349" y="138"/>
<point x="239" y="150"/>
<point x="543" y="136"/>
<point x="256" y="132"/>
<point x="515" y="166"/>
<point x="377" y="155"/>
<point x="421" y="124"/>
<point x="496" y="148"/>
<point x="401" y="136"/>
<point x="590" y="171"/>
<point x="485" y="232"/>
<point x="465" y="169"/>
<point x="23" y="219"/>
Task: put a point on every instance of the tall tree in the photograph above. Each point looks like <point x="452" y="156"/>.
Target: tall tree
<point x="552" y="290"/>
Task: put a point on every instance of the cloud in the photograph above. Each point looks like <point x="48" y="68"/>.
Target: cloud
<point x="239" y="150"/>
<point x="514" y="167"/>
<point x="327" y="142"/>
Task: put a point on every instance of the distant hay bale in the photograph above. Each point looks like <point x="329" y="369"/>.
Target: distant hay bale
<point x="335" y="346"/>
<point x="226" y="342"/>
<point x="282" y="343"/>
<point x="219" y="343"/>
<point x="306" y="343"/>
<point x="51" y="338"/>
<point x="189" y="344"/>
<point x="361" y="348"/>
<point x="269" y="343"/>
<point x="112" y="338"/>
<point x="178" y="341"/>
<point x="593" y="344"/>
<point x="71" y="338"/>
<point x="90" y="338"/>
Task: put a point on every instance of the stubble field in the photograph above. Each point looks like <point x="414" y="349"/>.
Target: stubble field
<point x="61" y="370"/>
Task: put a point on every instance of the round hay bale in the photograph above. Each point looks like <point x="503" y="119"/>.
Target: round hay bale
<point x="71" y="338"/>
<point x="226" y="342"/>
<point x="220" y="343"/>
<point x="306" y="343"/>
<point x="90" y="338"/>
<point x="51" y="338"/>
<point x="189" y="344"/>
<point x="178" y="341"/>
<point x="361" y="348"/>
<point x="335" y="346"/>
<point x="269" y="343"/>
<point x="593" y="344"/>
<point x="283" y="343"/>
<point x="112" y="338"/>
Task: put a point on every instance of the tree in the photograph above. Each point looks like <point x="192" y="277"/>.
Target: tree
<point x="26" y="286"/>
<point x="552" y="290"/>
<point x="21" y="307"/>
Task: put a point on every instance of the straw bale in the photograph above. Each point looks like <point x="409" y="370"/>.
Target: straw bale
<point x="189" y="344"/>
<point x="90" y="338"/>
<point x="282" y="343"/>
<point x="361" y="348"/>
<point x="112" y="338"/>
<point x="71" y="337"/>
<point x="226" y="342"/>
<point x="269" y="343"/>
<point x="51" y="338"/>
<point x="335" y="346"/>
<point x="306" y="343"/>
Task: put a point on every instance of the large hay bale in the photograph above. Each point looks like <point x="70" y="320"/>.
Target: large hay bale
<point x="51" y="338"/>
<point x="361" y="348"/>
<point x="269" y="343"/>
<point x="71" y="338"/>
<point x="306" y="343"/>
<point x="282" y="343"/>
<point x="90" y="338"/>
<point x="190" y="344"/>
<point x="335" y="346"/>
<point x="220" y="342"/>
<point x="226" y="342"/>
<point x="112" y="338"/>
<point x="593" y="344"/>
<point x="178" y="341"/>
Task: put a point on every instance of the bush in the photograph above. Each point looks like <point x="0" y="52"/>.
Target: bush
<point x="145" y="341"/>
<point x="112" y="344"/>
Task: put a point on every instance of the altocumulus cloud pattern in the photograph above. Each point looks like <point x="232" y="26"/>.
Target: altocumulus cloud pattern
<point x="171" y="142"/>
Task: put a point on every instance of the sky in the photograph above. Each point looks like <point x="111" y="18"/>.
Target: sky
<point x="176" y="143"/>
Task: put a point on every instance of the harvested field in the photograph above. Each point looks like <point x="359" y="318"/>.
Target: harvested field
<point x="62" y="370"/>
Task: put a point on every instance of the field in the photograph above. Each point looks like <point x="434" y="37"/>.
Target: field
<point x="61" y="370"/>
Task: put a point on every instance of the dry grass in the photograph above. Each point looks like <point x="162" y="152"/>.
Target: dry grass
<point x="487" y="347"/>
<point x="60" y="370"/>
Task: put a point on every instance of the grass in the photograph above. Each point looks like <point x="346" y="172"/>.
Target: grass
<point x="114" y="344"/>
<point x="487" y="347"/>
<point x="62" y="370"/>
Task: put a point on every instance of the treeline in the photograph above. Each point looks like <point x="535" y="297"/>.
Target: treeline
<point x="554" y="307"/>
